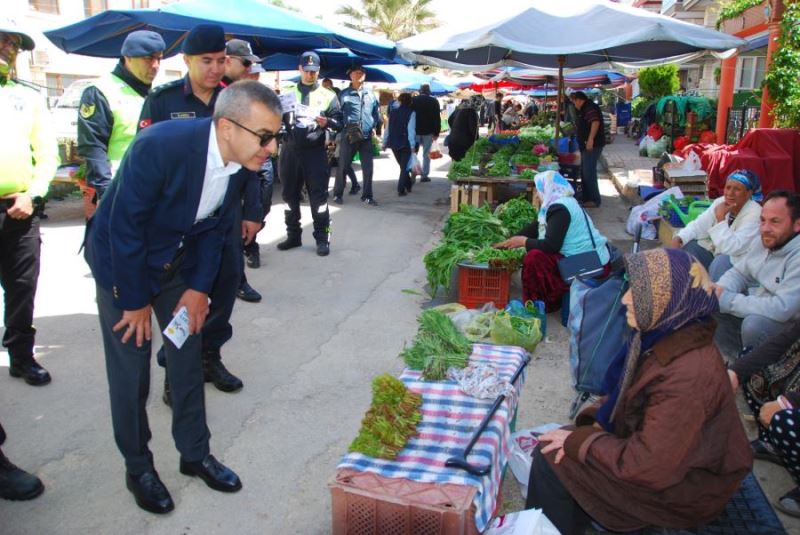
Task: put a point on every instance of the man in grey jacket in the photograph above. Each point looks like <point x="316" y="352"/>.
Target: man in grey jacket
<point x="762" y="290"/>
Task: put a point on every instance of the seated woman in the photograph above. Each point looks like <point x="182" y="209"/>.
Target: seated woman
<point x="728" y="227"/>
<point x="771" y="378"/>
<point x="562" y="229"/>
<point x="665" y="447"/>
<point x="510" y="117"/>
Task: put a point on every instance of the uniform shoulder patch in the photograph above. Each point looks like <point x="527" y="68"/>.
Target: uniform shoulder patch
<point x="87" y="110"/>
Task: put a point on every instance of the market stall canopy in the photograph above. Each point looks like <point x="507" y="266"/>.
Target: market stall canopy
<point x="582" y="33"/>
<point x="268" y="29"/>
<point x="388" y="74"/>
<point x="331" y="59"/>
<point x="437" y="87"/>
<point x="542" y="77"/>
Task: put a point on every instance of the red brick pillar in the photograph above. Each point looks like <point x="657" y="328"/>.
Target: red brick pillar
<point x="726" y="83"/>
<point x="766" y="120"/>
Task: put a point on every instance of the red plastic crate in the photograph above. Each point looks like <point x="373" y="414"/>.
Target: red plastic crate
<point x="364" y="503"/>
<point x="478" y="285"/>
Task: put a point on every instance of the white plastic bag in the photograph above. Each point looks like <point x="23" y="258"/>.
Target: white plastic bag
<point x="692" y="162"/>
<point x="644" y="214"/>
<point x="414" y="166"/>
<point x="527" y="522"/>
<point x="522" y="445"/>
<point x="644" y="144"/>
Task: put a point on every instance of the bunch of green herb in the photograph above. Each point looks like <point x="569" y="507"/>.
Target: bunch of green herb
<point x="440" y="263"/>
<point x="527" y="174"/>
<point x="474" y="227"/>
<point x="390" y="421"/>
<point x="437" y="346"/>
<point x="515" y="214"/>
<point x="525" y="158"/>
<point x="507" y="259"/>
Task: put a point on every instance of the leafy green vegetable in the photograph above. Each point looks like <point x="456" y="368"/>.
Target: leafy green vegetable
<point x="440" y="263"/>
<point x="527" y="174"/>
<point x="390" y="421"/>
<point x="437" y="346"/>
<point x="516" y="213"/>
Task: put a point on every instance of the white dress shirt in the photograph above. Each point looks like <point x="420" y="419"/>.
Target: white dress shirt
<point x="215" y="181"/>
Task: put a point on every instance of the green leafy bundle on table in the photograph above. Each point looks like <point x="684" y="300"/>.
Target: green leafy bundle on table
<point x="537" y="134"/>
<point x="527" y="174"/>
<point x="390" y="421"/>
<point x="516" y="214"/>
<point x="506" y="259"/>
<point x="437" y="346"/>
<point x="525" y="158"/>
<point x="468" y="229"/>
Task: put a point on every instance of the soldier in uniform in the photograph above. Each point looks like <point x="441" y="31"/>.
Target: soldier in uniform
<point x="303" y="158"/>
<point x="110" y="107"/>
<point x="193" y="97"/>
<point x="28" y="160"/>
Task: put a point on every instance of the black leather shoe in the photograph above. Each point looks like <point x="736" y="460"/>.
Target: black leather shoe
<point x="214" y="473"/>
<point x="289" y="243"/>
<point x="30" y="371"/>
<point x="323" y="249"/>
<point x="355" y="189"/>
<point x="338" y="199"/>
<point x="149" y="492"/>
<point x="765" y="451"/>
<point x="425" y="179"/>
<point x="254" y="260"/>
<point x="17" y="484"/>
<point x="372" y="202"/>
<point x="214" y="371"/>
<point x="166" y="397"/>
<point x="789" y="503"/>
<point x="247" y="293"/>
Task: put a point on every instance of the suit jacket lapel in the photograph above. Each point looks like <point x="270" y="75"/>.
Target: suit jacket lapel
<point x="196" y="166"/>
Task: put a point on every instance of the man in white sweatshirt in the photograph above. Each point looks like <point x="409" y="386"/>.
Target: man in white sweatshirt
<point x="761" y="292"/>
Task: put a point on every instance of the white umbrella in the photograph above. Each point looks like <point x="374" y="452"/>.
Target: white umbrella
<point x="572" y="34"/>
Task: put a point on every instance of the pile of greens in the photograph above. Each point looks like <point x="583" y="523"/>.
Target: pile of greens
<point x="515" y="214"/>
<point x="468" y="229"/>
<point x="390" y="421"/>
<point x="437" y="346"/>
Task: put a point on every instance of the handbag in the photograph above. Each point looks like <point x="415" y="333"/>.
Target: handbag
<point x="581" y="265"/>
<point x="353" y="133"/>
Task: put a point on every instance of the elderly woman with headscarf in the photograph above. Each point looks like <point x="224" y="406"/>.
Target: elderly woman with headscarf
<point x="665" y="447"/>
<point x="728" y="227"/>
<point x="562" y="229"/>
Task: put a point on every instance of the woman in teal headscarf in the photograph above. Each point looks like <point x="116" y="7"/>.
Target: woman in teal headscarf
<point x="665" y="446"/>
<point x="562" y="229"/>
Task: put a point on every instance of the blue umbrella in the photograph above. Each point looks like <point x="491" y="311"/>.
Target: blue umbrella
<point x="390" y="74"/>
<point x="334" y="62"/>
<point x="268" y="28"/>
<point x="437" y="87"/>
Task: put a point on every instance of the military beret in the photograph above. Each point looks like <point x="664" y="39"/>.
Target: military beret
<point x="142" y="43"/>
<point x="204" y="38"/>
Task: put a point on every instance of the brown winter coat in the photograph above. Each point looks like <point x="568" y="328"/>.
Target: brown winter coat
<point x="679" y="451"/>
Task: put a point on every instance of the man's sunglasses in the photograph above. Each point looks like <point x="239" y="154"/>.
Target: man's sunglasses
<point x="245" y="62"/>
<point x="263" y="139"/>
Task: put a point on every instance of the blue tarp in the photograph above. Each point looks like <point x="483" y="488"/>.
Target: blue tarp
<point x="268" y="28"/>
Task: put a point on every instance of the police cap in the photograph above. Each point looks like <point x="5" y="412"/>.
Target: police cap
<point x="204" y="38"/>
<point x="142" y="43"/>
<point x="309" y="61"/>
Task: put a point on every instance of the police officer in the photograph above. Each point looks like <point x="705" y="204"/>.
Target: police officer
<point x="28" y="160"/>
<point x="239" y="59"/>
<point x="303" y="158"/>
<point x="193" y="97"/>
<point x="110" y="107"/>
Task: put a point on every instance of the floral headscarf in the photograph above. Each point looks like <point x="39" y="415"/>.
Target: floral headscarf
<point x="670" y="289"/>
<point x="552" y="187"/>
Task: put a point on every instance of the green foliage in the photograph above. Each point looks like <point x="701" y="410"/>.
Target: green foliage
<point x="782" y="76"/>
<point x="659" y="81"/>
<point x="395" y="19"/>
<point x="734" y="8"/>
<point x="638" y="105"/>
<point x="438" y="346"/>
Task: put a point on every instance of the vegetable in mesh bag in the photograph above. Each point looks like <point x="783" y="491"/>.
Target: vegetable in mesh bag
<point x="515" y="331"/>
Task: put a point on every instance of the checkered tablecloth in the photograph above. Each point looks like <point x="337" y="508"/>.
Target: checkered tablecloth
<point x="449" y="419"/>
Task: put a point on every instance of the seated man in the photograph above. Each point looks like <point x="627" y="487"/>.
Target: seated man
<point x="727" y="228"/>
<point x="761" y="292"/>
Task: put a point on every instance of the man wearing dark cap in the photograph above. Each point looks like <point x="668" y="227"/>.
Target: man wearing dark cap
<point x="194" y="97"/>
<point x="360" y="116"/>
<point x="303" y="157"/>
<point x="28" y="160"/>
<point x="110" y="107"/>
<point x="429" y="124"/>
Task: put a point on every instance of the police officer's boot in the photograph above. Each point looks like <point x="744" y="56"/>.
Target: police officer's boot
<point x="293" y="230"/>
<point x="214" y="371"/>
<point x="29" y="370"/>
<point x="17" y="484"/>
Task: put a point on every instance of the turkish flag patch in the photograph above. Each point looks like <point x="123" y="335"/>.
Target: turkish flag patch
<point x="144" y="123"/>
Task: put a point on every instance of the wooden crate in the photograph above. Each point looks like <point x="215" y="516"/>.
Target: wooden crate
<point x="690" y="182"/>
<point x="473" y="194"/>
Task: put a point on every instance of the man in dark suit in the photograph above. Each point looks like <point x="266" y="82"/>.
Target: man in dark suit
<point x="154" y="246"/>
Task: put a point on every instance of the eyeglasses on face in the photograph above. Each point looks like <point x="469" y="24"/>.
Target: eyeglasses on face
<point x="263" y="139"/>
<point x="245" y="62"/>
